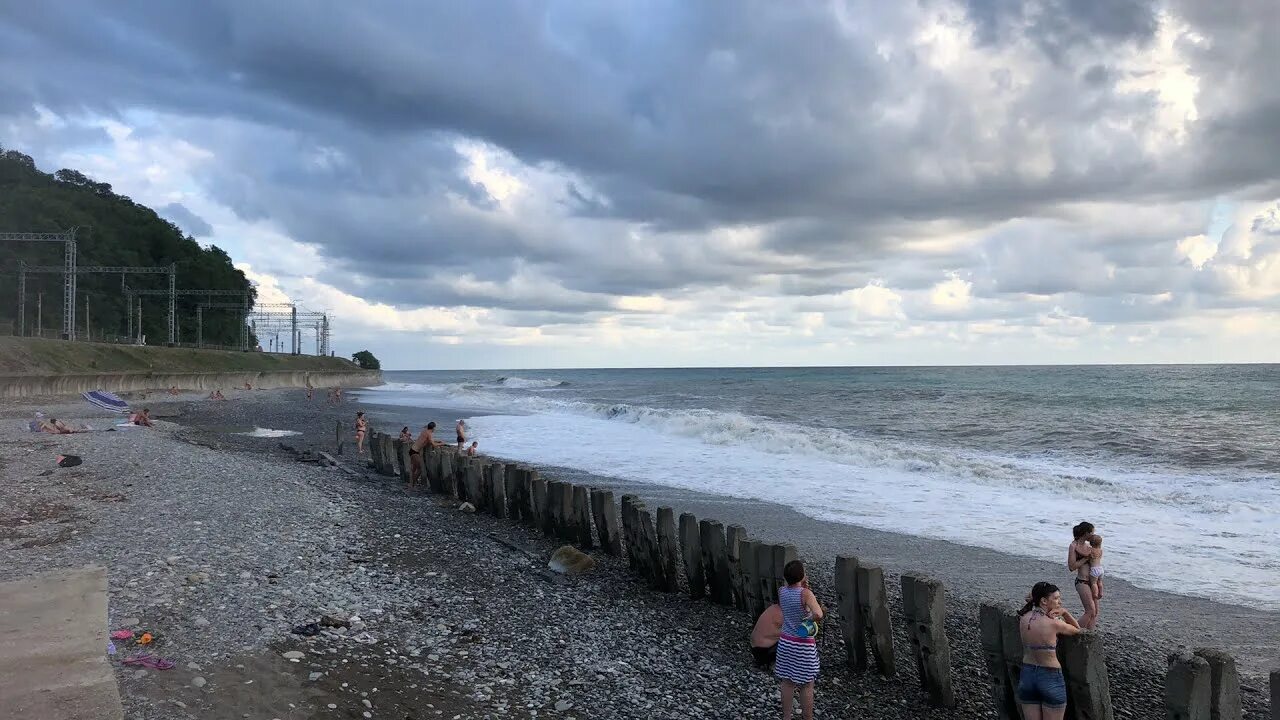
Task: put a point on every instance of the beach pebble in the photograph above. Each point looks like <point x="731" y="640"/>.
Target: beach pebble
<point x="294" y="655"/>
<point x="198" y="681"/>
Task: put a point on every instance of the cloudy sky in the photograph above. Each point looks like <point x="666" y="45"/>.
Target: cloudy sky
<point x="564" y="183"/>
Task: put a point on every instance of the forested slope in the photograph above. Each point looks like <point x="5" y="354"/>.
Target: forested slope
<point x="114" y="231"/>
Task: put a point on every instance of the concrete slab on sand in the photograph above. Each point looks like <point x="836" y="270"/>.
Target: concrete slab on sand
<point x="53" y="647"/>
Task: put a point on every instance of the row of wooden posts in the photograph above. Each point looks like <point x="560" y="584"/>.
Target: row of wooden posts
<point x="708" y="560"/>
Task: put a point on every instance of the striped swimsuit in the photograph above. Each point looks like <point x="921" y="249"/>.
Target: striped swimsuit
<point x="797" y="656"/>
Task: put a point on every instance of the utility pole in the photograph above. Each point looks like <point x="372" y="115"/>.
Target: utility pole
<point x="140" y="336"/>
<point x="88" y="336"/>
<point x="40" y="314"/>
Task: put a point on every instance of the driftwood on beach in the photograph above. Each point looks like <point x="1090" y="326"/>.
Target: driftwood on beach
<point x="706" y="560"/>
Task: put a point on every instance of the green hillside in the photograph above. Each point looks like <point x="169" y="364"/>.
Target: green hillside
<point x="114" y="230"/>
<point x="33" y="356"/>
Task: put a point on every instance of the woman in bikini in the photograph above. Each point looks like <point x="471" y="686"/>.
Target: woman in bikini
<point x="1042" y="691"/>
<point x="1078" y="554"/>
<point x="362" y="427"/>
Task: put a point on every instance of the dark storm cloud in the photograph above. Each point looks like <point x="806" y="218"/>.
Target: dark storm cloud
<point x="826" y="130"/>
<point x="191" y="223"/>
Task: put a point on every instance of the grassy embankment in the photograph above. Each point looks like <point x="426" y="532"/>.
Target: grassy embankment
<point x="34" y="356"/>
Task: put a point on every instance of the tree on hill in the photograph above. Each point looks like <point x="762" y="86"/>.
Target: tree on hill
<point x="114" y="230"/>
<point x="366" y="360"/>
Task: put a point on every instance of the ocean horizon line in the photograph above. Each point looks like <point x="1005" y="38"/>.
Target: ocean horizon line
<point x="838" y="367"/>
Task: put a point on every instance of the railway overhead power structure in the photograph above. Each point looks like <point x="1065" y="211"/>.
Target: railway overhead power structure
<point x="132" y="293"/>
<point x="294" y="322"/>
<point x="244" y="318"/>
<point x="68" y="240"/>
<point x="171" y="270"/>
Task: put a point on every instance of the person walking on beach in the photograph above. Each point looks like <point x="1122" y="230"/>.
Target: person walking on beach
<point x="362" y="428"/>
<point x="426" y="438"/>
<point x="1078" y="554"/>
<point x="462" y="436"/>
<point x="1042" y="691"/>
<point x="797" y="656"/>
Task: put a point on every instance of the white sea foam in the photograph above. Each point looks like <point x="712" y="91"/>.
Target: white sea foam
<point x="1193" y="534"/>
<point x="269" y="433"/>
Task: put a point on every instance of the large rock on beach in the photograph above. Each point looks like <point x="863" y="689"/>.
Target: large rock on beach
<point x="569" y="560"/>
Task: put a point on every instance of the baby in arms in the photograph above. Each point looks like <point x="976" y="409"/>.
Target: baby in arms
<point x="1095" y="565"/>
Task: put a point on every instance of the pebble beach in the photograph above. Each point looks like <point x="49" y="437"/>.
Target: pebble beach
<point x="221" y="543"/>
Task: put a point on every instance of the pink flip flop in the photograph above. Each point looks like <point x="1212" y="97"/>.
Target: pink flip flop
<point x="150" y="661"/>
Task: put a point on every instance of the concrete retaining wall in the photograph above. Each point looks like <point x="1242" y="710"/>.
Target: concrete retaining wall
<point x="15" y="386"/>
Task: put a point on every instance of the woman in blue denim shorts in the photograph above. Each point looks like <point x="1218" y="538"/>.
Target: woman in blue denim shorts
<point x="1042" y="692"/>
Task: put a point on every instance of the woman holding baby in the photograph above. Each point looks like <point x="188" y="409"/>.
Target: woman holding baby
<point x="1084" y="558"/>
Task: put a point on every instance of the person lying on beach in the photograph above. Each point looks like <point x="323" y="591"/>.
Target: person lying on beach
<point x="764" y="636"/>
<point x="1042" y="691"/>
<point x="405" y="435"/>
<point x="143" y="418"/>
<point x="426" y="438"/>
<point x="54" y="426"/>
<point x="1095" y="565"/>
<point x="217" y="395"/>
<point x="471" y="451"/>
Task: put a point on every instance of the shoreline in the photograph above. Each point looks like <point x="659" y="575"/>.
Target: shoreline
<point x="1162" y="617"/>
<point x="464" y="623"/>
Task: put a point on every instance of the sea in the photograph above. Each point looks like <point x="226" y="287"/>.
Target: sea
<point x="1177" y="466"/>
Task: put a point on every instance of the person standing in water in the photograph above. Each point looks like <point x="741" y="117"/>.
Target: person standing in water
<point x="362" y="427"/>
<point x="796" y="664"/>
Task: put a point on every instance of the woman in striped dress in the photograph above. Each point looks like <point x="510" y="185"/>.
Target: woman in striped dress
<point x="797" y="663"/>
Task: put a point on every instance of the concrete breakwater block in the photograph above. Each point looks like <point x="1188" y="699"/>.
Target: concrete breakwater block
<point x="552" y="520"/>
<point x="1224" y="685"/>
<point x="406" y="462"/>
<point x="749" y="586"/>
<point x="567" y="522"/>
<point x="630" y="532"/>
<point x="473" y="474"/>
<point x="448" y="472"/>
<point x="650" y="564"/>
<point x="781" y="555"/>
<point x="388" y="455"/>
<point x="734" y="536"/>
<point x="876" y="619"/>
<point x="715" y="561"/>
<point x="668" y="551"/>
<point x="925" y="607"/>
<point x="582" y="516"/>
<point x="1187" y="687"/>
<point x="605" y="512"/>
<point x="516" y="500"/>
<point x="991" y="634"/>
<point x="691" y="554"/>
<point x="851" y="627"/>
<point x="375" y="454"/>
<point x="1084" y="668"/>
<point x="495" y="488"/>
<point x="768" y="583"/>
<point x="393" y="467"/>
<point x="537" y="500"/>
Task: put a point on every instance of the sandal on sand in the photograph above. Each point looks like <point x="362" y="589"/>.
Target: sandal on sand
<point x="150" y="661"/>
